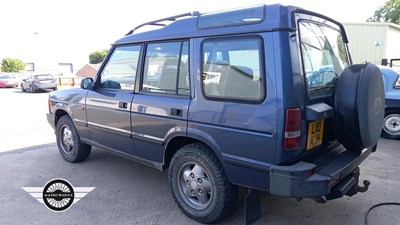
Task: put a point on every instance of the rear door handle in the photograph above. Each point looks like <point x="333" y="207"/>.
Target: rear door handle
<point x="176" y="112"/>
<point x="123" y="105"/>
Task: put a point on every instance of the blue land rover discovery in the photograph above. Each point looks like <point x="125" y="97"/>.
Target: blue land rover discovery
<point x="231" y="99"/>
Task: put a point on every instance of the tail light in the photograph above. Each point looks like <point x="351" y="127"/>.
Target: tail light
<point x="292" y="128"/>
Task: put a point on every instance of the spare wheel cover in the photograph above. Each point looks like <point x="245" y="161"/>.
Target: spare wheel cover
<point x="359" y="106"/>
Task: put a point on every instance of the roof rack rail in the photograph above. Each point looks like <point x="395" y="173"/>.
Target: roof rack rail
<point x="159" y="21"/>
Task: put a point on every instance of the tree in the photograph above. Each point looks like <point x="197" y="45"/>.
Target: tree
<point x="97" y="56"/>
<point x="390" y="13"/>
<point x="12" y="65"/>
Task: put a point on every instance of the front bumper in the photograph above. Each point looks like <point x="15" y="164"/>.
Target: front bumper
<point x="51" y="119"/>
<point x="318" y="178"/>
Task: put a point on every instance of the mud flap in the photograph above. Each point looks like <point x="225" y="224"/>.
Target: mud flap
<point x="252" y="209"/>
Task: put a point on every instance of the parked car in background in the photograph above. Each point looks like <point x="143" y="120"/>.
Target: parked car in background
<point x="7" y="81"/>
<point x="34" y="83"/>
<point x="391" y="80"/>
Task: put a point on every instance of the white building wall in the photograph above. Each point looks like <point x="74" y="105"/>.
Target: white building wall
<point x="372" y="42"/>
<point x="393" y="40"/>
<point x="367" y="42"/>
<point x="46" y="52"/>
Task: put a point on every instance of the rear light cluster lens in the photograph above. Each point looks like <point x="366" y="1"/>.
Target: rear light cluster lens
<point x="292" y="128"/>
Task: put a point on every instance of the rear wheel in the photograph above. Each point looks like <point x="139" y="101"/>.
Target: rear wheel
<point x="199" y="184"/>
<point x="391" y="126"/>
<point x="68" y="141"/>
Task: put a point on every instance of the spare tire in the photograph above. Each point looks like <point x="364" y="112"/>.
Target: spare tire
<point x="359" y="106"/>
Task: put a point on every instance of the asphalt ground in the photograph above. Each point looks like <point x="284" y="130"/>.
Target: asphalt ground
<point x="127" y="192"/>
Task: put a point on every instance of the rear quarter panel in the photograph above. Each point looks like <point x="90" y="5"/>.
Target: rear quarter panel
<point x="244" y="136"/>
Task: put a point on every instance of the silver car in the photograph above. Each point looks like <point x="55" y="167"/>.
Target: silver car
<point x="35" y="83"/>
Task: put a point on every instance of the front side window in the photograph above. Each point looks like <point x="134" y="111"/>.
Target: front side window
<point x="323" y="53"/>
<point x="232" y="69"/>
<point x="120" y="70"/>
<point x="166" y="68"/>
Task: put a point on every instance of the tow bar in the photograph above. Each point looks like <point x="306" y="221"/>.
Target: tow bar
<point x="348" y="186"/>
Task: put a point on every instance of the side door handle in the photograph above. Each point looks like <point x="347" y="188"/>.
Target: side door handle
<point x="123" y="105"/>
<point x="176" y="112"/>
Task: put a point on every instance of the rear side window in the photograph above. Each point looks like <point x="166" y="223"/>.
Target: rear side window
<point x="324" y="56"/>
<point x="232" y="69"/>
<point x="120" y="70"/>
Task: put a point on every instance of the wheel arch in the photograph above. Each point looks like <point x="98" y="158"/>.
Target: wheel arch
<point x="58" y="114"/>
<point x="192" y="136"/>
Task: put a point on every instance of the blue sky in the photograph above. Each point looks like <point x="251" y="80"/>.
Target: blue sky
<point x="61" y="29"/>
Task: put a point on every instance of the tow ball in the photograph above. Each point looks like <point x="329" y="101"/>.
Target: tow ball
<point x="358" y="188"/>
<point x="363" y="188"/>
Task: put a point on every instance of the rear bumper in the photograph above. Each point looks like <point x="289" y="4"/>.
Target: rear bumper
<point x="6" y="84"/>
<point x="44" y="86"/>
<point x="334" y="170"/>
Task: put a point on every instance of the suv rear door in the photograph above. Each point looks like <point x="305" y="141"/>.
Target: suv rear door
<point x="161" y="107"/>
<point x="324" y="56"/>
<point x="233" y="109"/>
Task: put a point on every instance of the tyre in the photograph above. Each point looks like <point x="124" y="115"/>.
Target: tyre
<point x="199" y="185"/>
<point x="391" y="125"/>
<point x="68" y="141"/>
<point x="359" y="106"/>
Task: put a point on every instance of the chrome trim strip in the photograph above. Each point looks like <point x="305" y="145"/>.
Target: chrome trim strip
<point x="80" y="121"/>
<point x="139" y="135"/>
<point x="110" y="128"/>
<point x="147" y="137"/>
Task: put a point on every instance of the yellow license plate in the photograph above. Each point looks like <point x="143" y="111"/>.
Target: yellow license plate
<point x="315" y="134"/>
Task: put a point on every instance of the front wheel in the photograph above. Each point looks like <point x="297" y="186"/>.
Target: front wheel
<point x="199" y="184"/>
<point x="391" y="126"/>
<point x="68" y="141"/>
